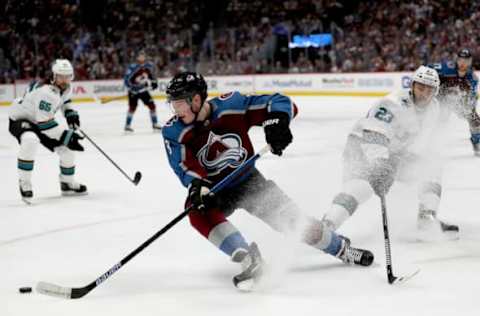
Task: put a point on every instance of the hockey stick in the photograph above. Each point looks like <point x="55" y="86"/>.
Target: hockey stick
<point x="47" y="288"/>
<point x="138" y="175"/>
<point x="104" y="100"/>
<point x="392" y="279"/>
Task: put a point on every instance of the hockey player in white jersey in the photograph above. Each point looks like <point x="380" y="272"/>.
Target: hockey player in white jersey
<point x="398" y="139"/>
<point x="32" y="121"/>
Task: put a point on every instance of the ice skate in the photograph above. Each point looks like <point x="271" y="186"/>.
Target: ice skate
<point x="356" y="256"/>
<point x="73" y="188"/>
<point x="475" y="144"/>
<point x="252" y="264"/>
<point x="26" y="191"/>
<point x="430" y="228"/>
<point x="156" y="127"/>
<point x="128" y="129"/>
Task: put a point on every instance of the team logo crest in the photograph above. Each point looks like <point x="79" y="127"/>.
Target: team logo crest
<point x="222" y="151"/>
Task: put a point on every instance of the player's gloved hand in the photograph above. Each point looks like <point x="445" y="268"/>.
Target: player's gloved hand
<point x="381" y="177"/>
<point x="154" y="84"/>
<point x="73" y="119"/>
<point x="277" y="131"/>
<point x="200" y="196"/>
<point x="72" y="140"/>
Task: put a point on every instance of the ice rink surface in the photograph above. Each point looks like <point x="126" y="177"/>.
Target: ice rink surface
<point x="72" y="241"/>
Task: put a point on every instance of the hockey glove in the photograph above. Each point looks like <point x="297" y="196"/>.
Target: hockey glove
<point x="71" y="139"/>
<point x="73" y="119"/>
<point x="154" y="84"/>
<point x="277" y="131"/>
<point x="381" y="177"/>
<point x="199" y="195"/>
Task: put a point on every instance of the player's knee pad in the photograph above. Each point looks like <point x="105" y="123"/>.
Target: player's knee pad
<point x="360" y="189"/>
<point x="28" y="145"/>
<point x="67" y="156"/>
<point x="204" y="222"/>
<point x="132" y="105"/>
<point x="278" y="209"/>
<point x="344" y="204"/>
<point x="151" y="106"/>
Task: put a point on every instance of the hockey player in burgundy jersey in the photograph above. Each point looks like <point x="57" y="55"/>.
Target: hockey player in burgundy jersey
<point x="458" y="92"/>
<point x="206" y="140"/>
<point x="140" y="80"/>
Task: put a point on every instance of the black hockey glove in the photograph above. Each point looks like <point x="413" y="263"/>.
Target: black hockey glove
<point x="381" y="177"/>
<point x="73" y="119"/>
<point x="71" y="139"/>
<point x="154" y="84"/>
<point x="277" y="131"/>
<point x="199" y="195"/>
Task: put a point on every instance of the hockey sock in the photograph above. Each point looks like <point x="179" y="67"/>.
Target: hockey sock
<point x="67" y="174"/>
<point x="320" y="236"/>
<point x="227" y="238"/>
<point x="25" y="165"/>
<point x="129" y="118"/>
<point x="335" y="245"/>
<point x="429" y="195"/>
<point x="475" y="138"/>
<point x="25" y="168"/>
<point x="153" y="117"/>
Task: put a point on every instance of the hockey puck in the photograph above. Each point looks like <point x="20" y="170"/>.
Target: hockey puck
<point x="25" y="289"/>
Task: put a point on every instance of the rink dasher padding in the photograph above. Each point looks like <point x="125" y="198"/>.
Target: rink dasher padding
<point x="296" y="93"/>
<point x="313" y="84"/>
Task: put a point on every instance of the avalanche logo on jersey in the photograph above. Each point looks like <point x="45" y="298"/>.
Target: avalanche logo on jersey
<point x="142" y="78"/>
<point x="222" y="151"/>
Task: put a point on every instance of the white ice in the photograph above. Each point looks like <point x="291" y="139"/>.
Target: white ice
<point x="72" y="241"/>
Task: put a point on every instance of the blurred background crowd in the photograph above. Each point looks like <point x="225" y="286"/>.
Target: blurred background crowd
<point x="225" y="37"/>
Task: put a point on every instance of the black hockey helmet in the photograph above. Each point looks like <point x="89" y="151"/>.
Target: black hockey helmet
<point x="464" y="53"/>
<point x="185" y="85"/>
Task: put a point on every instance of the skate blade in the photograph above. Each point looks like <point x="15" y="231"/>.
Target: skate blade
<point x="70" y="193"/>
<point x="405" y="278"/>
<point x="27" y="201"/>
<point x="436" y="236"/>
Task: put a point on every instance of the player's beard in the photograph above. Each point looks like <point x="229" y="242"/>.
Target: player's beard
<point x="422" y="102"/>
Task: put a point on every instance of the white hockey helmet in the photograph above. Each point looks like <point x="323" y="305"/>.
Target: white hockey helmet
<point x="62" y="67"/>
<point x="427" y="76"/>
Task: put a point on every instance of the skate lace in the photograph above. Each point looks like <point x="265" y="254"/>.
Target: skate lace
<point x="353" y="255"/>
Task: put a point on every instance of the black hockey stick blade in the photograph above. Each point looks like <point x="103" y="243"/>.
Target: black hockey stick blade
<point x="402" y="279"/>
<point x="137" y="178"/>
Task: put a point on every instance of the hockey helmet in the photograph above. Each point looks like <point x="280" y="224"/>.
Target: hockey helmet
<point x="464" y="53"/>
<point x="427" y="76"/>
<point x="185" y="85"/>
<point x="62" y="67"/>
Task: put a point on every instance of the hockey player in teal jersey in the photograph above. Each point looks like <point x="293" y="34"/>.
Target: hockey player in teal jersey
<point x="32" y="122"/>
